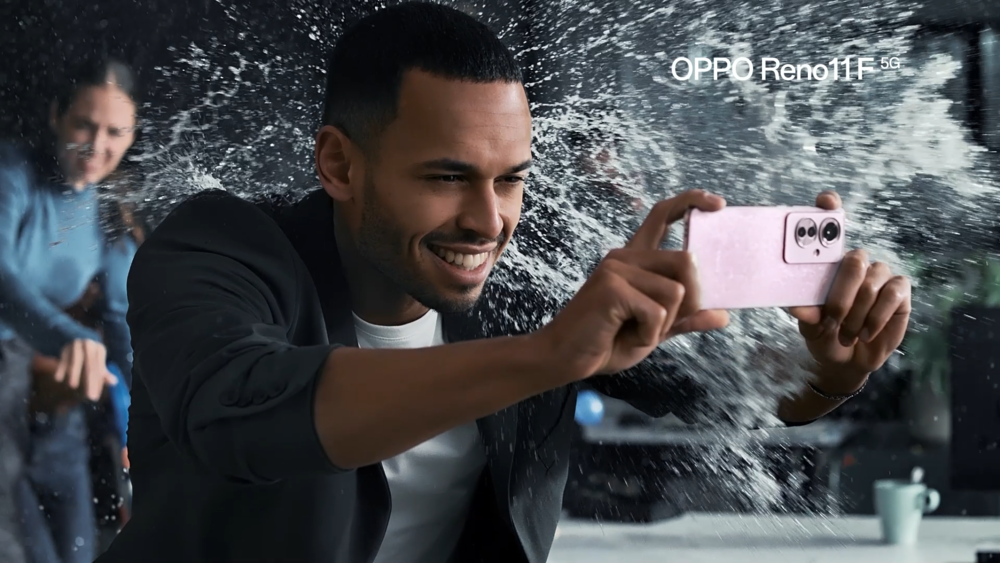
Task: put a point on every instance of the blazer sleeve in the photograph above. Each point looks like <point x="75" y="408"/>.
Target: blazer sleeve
<point x="694" y="378"/>
<point x="213" y="297"/>
<point x="657" y="387"/>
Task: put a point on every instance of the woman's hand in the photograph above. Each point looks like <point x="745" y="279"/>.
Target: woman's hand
<point x="83" y="367"/>
<point x="79" y="373"/>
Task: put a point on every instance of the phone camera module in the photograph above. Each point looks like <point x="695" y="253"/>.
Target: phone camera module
<point x="805" y="232"/>
<point x="829" y="231"/>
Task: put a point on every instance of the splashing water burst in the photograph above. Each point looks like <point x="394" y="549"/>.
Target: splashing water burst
<point x="615" y="131"/>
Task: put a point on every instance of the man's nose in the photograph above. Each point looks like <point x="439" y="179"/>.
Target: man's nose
<point x="481" y="211"/>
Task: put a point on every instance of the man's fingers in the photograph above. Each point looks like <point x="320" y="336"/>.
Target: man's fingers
<point x="829" y="200"/>
<point x="851" y="274"/>
<point x="702" y="321"/>
<point x="645" y="318"/>
<point x="650" y="235"/>
<point x="893" y="302"/>
<point x="875" y="278"/>
<point x="667" y="293"/>
<point x="807" y="315"/>
<point x="665" y="265"/>
<point x="669" y="263"/>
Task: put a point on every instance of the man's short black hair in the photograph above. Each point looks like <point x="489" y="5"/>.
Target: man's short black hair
<point x="369" y="61"/>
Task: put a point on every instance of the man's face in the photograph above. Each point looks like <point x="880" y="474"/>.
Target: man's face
<point x="443" y="195"/>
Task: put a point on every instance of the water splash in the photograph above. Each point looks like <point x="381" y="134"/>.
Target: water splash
<point x="616" y="131"/>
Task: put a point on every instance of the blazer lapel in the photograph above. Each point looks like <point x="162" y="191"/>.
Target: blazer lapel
<point x="498" y="430"/>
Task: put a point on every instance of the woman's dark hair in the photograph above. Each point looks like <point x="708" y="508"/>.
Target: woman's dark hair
<point x="94" y="72"/>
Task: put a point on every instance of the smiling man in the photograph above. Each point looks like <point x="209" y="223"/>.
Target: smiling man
<point x="437" y="195"/>
<point x="323" y="381"/>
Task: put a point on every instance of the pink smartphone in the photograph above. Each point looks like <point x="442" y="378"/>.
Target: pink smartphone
<point x="756" y="257"/>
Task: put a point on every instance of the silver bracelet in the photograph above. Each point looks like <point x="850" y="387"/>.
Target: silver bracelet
<point x="838" y="397"/>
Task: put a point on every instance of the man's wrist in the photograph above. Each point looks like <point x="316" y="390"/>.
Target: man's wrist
<point x="838" y="381"/>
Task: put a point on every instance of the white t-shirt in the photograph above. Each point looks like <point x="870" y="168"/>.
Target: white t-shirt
<point x="432" y="484"/>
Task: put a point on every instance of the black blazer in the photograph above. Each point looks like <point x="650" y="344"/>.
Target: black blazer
<point x="234" y="308"/>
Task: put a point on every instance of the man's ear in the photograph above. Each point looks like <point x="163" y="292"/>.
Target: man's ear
<point x="339" y="163"/>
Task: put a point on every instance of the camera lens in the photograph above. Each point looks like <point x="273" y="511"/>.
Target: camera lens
<point x="805" y="232"/>
<point x="831" y="231"/>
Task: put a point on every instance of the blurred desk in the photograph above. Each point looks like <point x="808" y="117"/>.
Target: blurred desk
<point x="732" y="538"/>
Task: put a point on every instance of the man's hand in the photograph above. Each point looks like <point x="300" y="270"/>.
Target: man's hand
<point x="863" y="321"/>
<point x="637" y="297"/>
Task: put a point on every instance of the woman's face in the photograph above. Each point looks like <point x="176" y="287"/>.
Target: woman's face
<point x="93" y="133"/>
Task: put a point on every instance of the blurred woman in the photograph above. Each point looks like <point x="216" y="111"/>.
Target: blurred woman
<point x="58" y="329"/>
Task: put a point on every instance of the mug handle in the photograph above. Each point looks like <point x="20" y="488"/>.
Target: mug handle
<point x="932" y="500"/>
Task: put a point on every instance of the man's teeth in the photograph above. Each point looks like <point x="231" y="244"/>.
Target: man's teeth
<point x="464" y="261"/>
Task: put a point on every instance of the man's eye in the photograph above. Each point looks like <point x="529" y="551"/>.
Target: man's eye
<point x="512" y="179"/>
<point x="449" y="179"/>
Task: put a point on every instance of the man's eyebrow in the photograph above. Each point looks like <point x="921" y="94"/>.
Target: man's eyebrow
<point x="449" y="165"/>
<point x="520" y="167"/>
<point x="459" y="167"/>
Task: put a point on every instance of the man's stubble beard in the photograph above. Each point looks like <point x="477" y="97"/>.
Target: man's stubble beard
<point x="380" y="242"/>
